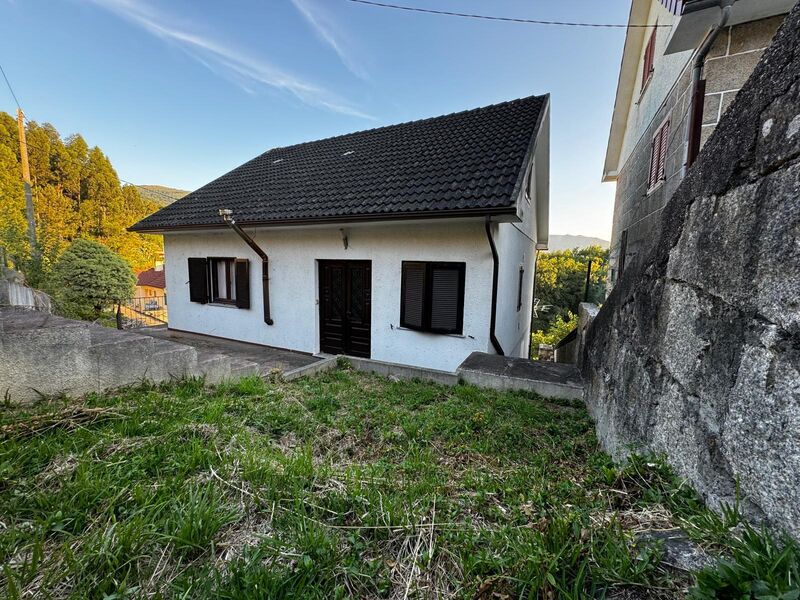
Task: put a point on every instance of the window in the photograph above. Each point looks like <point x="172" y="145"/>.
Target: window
<point x="223" y="280"/>
<point x="220" y="280"/>
<point x="432" y="296"/>
<point x="658" y="156"/>
<point x="519" y="287"/>
<point x="649" y="57"/>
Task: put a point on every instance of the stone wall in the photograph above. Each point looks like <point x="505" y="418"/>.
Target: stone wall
<point x="730" y="62"/>
<point x="696" y="353"/>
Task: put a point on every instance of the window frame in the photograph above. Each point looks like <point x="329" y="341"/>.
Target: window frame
<point x="230" y="279"/>
<point x="427" y="300"/>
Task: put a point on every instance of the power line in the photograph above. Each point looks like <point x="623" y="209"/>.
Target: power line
<point x="495" y="18"/>
<point x="121" y="180"/>
<point x="10" y="89"/>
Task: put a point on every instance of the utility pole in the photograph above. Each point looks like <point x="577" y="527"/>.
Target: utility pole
<point x="26" y="178"/>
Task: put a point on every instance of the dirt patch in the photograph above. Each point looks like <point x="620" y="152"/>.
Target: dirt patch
<point x="59" y="469"/>
<point x="235" y="539"/>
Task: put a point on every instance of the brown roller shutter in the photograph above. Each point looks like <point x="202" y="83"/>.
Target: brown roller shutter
<point x="412" y="306"/>
<point x="242" y="280"/>
<point x="447" y="297"/>
<point x="198" y="280"/>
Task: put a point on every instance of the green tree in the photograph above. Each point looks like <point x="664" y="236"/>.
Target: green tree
<point x="76" y="194"/>
<point x="561" y="282"/>
<point x="88" y="277"/>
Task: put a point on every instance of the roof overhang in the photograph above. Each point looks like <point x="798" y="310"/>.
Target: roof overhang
<point x="699" y="16"/>
<point x="628" y="71"/>
<point x="501" y="214"/>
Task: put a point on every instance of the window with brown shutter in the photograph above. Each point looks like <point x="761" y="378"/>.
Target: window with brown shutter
<point x="649" y="59"/>
<point x="242" y="282"/>
<point x="432" y="296"/>
<point x="658" y="156"/>
<point x="220" y="280"/>
<point x="198" y="280"/>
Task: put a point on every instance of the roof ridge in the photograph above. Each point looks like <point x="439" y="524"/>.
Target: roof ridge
<point x="403" y="123"/>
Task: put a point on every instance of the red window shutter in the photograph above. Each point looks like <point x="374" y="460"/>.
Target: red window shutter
<point x="651" y="176"/>
<point x="662" y="154"/>
<point x="649" y="58"/>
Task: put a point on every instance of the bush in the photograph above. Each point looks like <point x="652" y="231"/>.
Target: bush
<point x="557" y="331"/>
<point x="88" y="277"/>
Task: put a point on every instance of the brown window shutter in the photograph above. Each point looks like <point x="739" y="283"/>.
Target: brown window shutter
<point x="412" y="307"/>
<point x="446" y="298"/>
<point x="649" y="58"/>
<point x="651" y="177"/>
<point x="242" y="281"/>
<point x="198" y="280"/>
<point x="662" y="154"/>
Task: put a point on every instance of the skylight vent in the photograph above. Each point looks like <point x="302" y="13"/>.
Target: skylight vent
<point x="349" y="152"/>
<point x="277" y="160"/>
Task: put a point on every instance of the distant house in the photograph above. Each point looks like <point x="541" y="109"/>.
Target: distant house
<point x="413" y="243"/>
<point x="675" y="82"/>
<point x="151" y="283"/>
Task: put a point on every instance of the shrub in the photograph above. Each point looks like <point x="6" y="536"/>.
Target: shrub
<point x="557" y="331"/>
<point x="88" y="277"/>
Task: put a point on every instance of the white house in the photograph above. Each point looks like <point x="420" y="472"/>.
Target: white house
<point x="413" y="243"/>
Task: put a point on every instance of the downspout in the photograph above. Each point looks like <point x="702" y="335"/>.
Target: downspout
<point x="690" y="153"/>
<point x="227" y="216"/>
<point x="495" y="267"/>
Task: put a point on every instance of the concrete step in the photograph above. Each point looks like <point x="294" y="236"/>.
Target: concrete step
<point x="548" y="379"/>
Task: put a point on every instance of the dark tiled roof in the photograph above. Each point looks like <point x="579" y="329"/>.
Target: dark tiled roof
<point x="152" y="278"/>
<point x="463" y="162"/>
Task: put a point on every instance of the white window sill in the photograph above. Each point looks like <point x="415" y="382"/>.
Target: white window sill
<point x="452" y="335"/>
<point x="656" y="187"/>
<point x="221" y="304"/>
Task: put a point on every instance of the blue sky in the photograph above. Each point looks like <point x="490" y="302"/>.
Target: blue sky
<point x="177" y="93"/>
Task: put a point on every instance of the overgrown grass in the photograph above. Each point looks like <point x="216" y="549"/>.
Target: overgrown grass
<point x="343" y="485"/>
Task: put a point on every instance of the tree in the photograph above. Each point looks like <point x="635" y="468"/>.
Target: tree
<point x="88" y="277"/>
<point x="561" y="282"/>
<point x="560" y="328"/>
<point x="76" y="194"/>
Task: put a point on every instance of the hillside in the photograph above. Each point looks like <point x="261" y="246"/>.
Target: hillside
<point x="161" y="194"/>
<point x="568" y="242"/>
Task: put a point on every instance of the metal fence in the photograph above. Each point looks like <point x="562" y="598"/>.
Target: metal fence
<point x="148" y="311"/>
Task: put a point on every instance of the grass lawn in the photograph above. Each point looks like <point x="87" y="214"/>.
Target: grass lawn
<point x="342" y="485"/>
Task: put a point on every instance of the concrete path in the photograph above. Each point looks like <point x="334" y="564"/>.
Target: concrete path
<point x="548" y="379"/>
<point x="265" y="358"/>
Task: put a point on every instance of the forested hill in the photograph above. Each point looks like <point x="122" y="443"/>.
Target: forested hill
<point x="76" y="194"/>
<point x="161" y="194"/>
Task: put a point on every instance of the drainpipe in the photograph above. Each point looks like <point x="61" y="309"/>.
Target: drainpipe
<point x="495" y="267"/>
<point x="690" y="153"/>
<point x="227" y="216"/>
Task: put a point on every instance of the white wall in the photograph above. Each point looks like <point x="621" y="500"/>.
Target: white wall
<point x="666" y="71"/>
<point x="293" y="253"/>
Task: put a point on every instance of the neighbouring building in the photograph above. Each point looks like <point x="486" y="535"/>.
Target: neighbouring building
<point x="412" y="243"/>
<point x="649" y="148"/>
<point x="151" y="283"/>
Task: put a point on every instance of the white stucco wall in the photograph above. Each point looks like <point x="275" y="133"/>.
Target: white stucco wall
<point x="294" y="253"/>
<point x="666" y="71"/>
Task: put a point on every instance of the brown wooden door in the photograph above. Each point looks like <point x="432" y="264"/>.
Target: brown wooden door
<point x="345" y="307"/>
